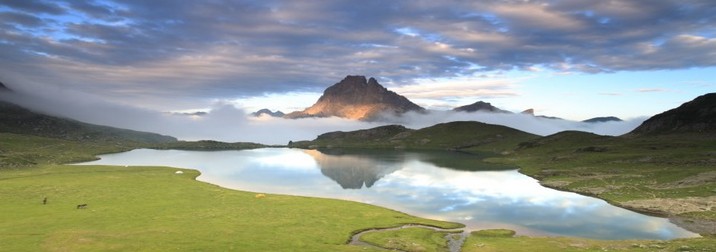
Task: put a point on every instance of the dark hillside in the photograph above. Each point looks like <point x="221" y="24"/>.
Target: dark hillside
<point x="696" y="116"/>
<point x="18" y="120"/>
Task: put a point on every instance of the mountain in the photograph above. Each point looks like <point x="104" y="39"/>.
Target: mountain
<point x="278" y="113"/>
<point x="532" y="113"/>
<point x="696" y="116"/>
<point x="357" y="98"/>
<point x="18" y="120"/>
<point x="603" y="119"/>
<point x="480" y="106"/>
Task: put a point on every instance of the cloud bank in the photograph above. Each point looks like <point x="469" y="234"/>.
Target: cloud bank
<point x="225" y="122"/>
<point x="151" y="52"/>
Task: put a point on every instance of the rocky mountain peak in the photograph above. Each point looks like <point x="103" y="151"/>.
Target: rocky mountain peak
<point x="356" y="97"/>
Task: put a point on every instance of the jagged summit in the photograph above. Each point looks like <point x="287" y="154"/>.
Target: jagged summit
<point x="356" y="97"/>
<point x="698" y="115"/>
<point x="480" y="106"/>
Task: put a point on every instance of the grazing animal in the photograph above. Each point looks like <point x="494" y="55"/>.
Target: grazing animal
<point x="260" y="195"/>
<point x="44" y="201"/>
<point x="81" y="206"/>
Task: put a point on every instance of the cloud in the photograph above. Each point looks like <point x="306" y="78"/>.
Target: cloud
<point x="205" y="49"/>
<point x="225" y="122"/>
<point x="458" y="87"/>
<point x="523" y="122"/>
<point x="651" y="90"/>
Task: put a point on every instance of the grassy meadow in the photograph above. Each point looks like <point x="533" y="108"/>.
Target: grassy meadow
<point x="667" y="175"/>
<point x="155" y="209"/>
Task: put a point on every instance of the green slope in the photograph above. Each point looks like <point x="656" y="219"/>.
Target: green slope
<point x="466" y="136"/>
<point x="18" y="120"/>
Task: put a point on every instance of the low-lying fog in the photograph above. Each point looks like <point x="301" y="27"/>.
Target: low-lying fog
<point x="225" y="122"/>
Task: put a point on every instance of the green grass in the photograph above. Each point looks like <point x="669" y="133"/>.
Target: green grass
<point x="205" y="145"/>
<point x="504" y="240"/>
<point x="628" y="171"/>
<point x="20" y="151"/>
<point x="154" y="209"/>
<point x="409" y="239"/>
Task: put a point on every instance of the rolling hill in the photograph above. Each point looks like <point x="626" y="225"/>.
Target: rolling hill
<point x="18" y="120"/>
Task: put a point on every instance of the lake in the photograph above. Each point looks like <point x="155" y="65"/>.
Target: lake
<point x="438" y="185"/>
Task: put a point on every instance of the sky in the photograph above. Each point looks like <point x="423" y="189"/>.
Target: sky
<point x="572" y="59"/>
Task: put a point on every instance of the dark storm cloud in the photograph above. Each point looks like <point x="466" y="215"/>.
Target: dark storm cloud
<point x="245" y="48"/>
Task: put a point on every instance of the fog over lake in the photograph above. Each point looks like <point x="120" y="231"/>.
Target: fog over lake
<point x="439" y="185"/>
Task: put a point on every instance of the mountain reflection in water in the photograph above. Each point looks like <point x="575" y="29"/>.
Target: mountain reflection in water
<point x="353" y="169"/>
<point x="440" y="185"/>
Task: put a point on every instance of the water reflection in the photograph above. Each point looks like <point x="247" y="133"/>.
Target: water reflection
<point x="448" y="186"/>
<point x="353" y="171"/>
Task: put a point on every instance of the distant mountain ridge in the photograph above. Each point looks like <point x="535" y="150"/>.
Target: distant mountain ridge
<point x="603" y="119"/>
<point x="268" y="112"/>
<point x="356" y="97"/>
<point x="695" y="116"/>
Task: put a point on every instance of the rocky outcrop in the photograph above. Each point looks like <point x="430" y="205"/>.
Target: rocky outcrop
<point x="355" y="97"/>
<point x="696" y="116"/>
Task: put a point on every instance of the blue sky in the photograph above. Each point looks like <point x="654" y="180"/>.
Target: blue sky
<point x="572" y="59"/>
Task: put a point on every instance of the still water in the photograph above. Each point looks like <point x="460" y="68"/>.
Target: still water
<point x="439" y="185"/>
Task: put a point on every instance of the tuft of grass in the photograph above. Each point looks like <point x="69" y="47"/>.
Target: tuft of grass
<point x="408" y="239"/>
<point x="494" y="233"/>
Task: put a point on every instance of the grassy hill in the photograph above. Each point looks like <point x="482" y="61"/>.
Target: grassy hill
<point x="18" y="120"/>
<point x="466" y="136"/>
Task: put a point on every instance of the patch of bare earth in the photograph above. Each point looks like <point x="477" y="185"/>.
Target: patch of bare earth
<point x="696" y="180"/>
<point x="673" y="207"/>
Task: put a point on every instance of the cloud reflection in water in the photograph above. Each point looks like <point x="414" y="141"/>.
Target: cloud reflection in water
<point x="416" y="183"/>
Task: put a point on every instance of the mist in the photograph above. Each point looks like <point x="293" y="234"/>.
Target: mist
<point x="225" y="122"/>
